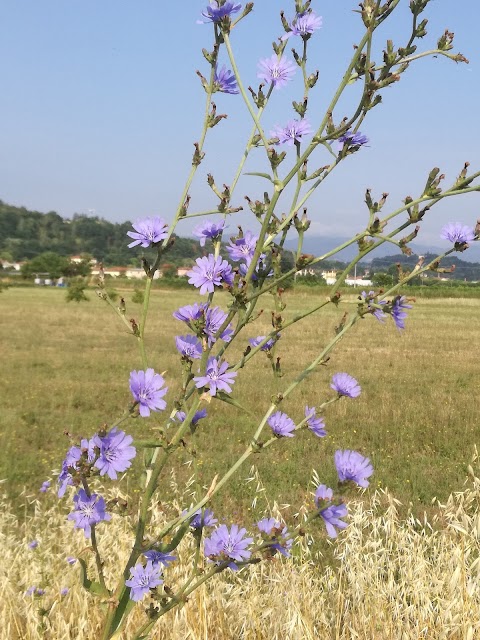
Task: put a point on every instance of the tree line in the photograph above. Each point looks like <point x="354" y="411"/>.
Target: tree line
<point x="26" y="234"/>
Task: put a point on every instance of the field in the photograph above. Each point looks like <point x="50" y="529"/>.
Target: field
<point x="66" y="369"/>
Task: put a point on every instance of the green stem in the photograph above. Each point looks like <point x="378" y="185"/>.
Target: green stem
<point x="194" y="167"/>
<point x="242" y="90"/>
<point x="143" y="321"/>
<point x="98" y="559"/>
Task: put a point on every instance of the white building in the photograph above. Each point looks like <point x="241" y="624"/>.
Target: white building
<point x="127" y="272"/>
<point x="13" y="266"/>
<point x="358" y="282"/>
<point x="79" y="259"/>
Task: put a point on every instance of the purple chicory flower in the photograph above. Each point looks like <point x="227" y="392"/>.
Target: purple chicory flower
<point x="210" y="272"/>
<point x="203" y="518"/>
<point x="71" y="560"/>
<point x="158" y="557"/>
<point x="191" y="312"/>
<point x="115" y="453"/>
<point x="260" y="270"/>
<point x="225" y="545"/>
<point x="214" y="318"/>
<point x="64" y="591"/>
<point x="281" y="425"/>
<point x="216" y="377"/>
<point x="457" y="233"/>
<point x="275" y="71"/>
<point x="315" y="424"/>
<point x="148" y="231"/>
<point x="351" y="465"/>
<point x="142" y="579"/>
<point x="225" y="81"/>
<point x="292" y="132"/>
<point x="398" y="313"/>
<point x="210" y="230"/>
<point x="352" y="140"/>
<point x="332" y="513"/>
<point x="268" y="346"/>
<point x="304" y="24"/>
<point x="33" y="544"/>
<point x="45" y="486"/>
<point x="35" y="591"/>
<point x="199" y="415"/>
<point x="189" y="346"/>
<point x="65" y="479"/>
<point x="88" y="511"/>
<point x="277" y="533"/>
<point x="146" y="388"/>
<point x="345" y="385"/>
<point x="216" y="12"/>
<point x="369" y="300"/>
<point x="242" y="248"/>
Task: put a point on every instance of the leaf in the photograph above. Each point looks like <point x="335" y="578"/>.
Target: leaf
<point x="224" y="397"/>
<point x="94" y="588"/>
<point x="119" y="621"/>
<point x="259" y="175"/>
<point x="167" y="548"/>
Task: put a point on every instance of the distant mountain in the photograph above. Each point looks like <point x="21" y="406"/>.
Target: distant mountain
<point x="319" y="245"/>
<point x="463" y="270"/>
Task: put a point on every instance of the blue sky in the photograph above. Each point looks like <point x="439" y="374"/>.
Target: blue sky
<point x="100" y="107"/>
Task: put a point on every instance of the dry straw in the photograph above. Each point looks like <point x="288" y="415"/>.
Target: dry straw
<point x="397" y="579"/>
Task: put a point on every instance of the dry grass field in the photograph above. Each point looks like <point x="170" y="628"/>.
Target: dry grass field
<point x="399" y="577"/>
<point x="394" y="579"/>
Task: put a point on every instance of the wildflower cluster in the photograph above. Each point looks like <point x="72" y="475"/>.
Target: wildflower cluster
<point x="248" y="271"/>
<point x="109" y="454"/>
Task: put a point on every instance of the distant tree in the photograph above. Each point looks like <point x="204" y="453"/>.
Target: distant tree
<point x="382" y="279"/>
<point x="48" y="262"/>
<point x="76" y="291"/>
<point x="169" y="271"/>
<point x="82" y="268"/>
<point x="6" y="255"/>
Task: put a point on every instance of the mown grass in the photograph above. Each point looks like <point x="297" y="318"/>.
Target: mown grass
<point x="66" y="368"/>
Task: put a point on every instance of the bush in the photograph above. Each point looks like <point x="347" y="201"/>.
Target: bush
<point x="138" y="296"/>
<point x="76" y="291"/>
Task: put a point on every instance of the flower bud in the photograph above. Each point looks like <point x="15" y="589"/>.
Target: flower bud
<point x="204" y="82"/>
<point x="303" y="223"/>
<point x="275" y="158"/>
<point x="184" y="207"/>
<point x="198" y="155"/>
<point x="389" y="54"/>
<point x="445" y="43"/>
<point x="300" y="108"/>
<point x="421" y="30"/>
<point x="312" y="79"/>
<point x="297" y="58"/>
<point x="418" y="6"/>
<point x="213" y="119"/>
<point x="403" y="52"/>
<point x="211" y="58"/>
<point x="285" y="24"/>
<point x="432" y="188"/>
